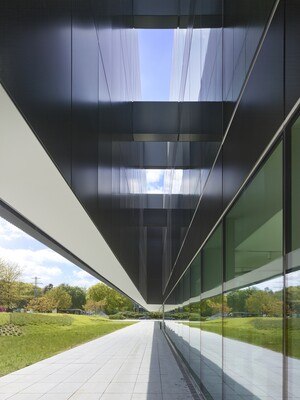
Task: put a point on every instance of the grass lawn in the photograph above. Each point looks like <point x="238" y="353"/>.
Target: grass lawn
<point x="47" y="334"/>
<point x="264" y="332"/>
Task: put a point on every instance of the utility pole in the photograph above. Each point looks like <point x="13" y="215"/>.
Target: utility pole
<point x="36" y="283"/>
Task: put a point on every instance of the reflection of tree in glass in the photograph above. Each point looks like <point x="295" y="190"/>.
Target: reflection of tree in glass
<point x="264" y="303"/>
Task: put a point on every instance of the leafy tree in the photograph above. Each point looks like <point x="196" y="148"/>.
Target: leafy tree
<point x="219" y="306"/>
<point x="61" y="299"/>
<point x="205" y="308"/>
<point x="209" y="307"/>
<point x="115" y="302"/>
<point x="26" y="293"/>
<point x="42" y="304"/>
<point x="95" y="306"/>
<point x="237" y="299"/>
<point x="195" y="307"/>
<point x="264" y="303"/>
<point x="47" y="288"/>
<point x="293" y="300"/>
<point x="9" y="275"/>
<point x="77" y="294"/>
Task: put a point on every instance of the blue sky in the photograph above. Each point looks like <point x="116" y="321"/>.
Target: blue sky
<point x="35" y="259"/>
<point x="155" y="49"/>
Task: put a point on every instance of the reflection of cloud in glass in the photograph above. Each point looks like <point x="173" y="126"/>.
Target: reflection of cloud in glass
<point x="293" y="278"/>
<point x="273" y="284"/>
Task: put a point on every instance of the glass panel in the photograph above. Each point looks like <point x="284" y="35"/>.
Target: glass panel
<point x="293" y="331"/>
<point x="211" y="316"/>
<point x="186" y="312"/>
<point x="295" y="178"/>
<point x="253" y="299"/>
<point x="293" y="275"/>
<point x="177" y="316"/>
<point x="194" y="317"/>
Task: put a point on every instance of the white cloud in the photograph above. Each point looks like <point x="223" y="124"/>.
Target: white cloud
<point x="173" y="181"/>
<point x="84" y="282"/>
<point x="81" y="274"/>
<point x="293" y="278"/>
<point x="9" y="232"/>
<point x="41" y="263"/>
<point x="83" y="278"/>
<point x="154" y="176"/>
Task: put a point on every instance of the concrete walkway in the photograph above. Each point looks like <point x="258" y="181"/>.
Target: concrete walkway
<point x="133" y="363"/>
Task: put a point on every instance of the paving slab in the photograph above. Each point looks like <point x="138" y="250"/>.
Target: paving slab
<point x="133" y="363"/>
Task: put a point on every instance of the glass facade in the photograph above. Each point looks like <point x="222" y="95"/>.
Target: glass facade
<point x="234" y="315"/>
<point x="292" y="277"/>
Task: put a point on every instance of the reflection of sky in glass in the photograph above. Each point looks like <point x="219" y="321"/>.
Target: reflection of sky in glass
<point x="275" y="284"/>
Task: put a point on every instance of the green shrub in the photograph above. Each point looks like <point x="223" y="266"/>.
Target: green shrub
<point x="23" y="319"/>
<point x="131" y="314"/>
<point x="180" y="316"/>
<point x="116" y="316"/>
<point x="155" y="315"/>
<point x="194" y="317"/>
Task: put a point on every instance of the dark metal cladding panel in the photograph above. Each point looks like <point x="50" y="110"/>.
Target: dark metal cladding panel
<point x="244" y="24"/>
<point x="259" y="114"/>
<point x="85" y="76"/>
<point x="292" y="53"/>
<point x="155" y="117"/>
<point x="202" y="118"/>
<point x="155" y="218"/>
<point x="154" y="266"/>
<point x="155" y="7"/>
<point x="35" y="69"/>
<point x="177" y="7"/>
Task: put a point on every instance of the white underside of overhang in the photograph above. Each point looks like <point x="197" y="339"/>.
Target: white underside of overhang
<point x="31" y="184"/>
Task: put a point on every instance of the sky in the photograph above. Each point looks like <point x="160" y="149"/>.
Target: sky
<point x="155" y="50"/>
<point x="160" y="181"/>
<point x="35" y="259"/>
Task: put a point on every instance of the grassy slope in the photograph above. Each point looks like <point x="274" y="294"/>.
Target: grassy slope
<point x="42" y="339"/>
<point x="264" y="332"/>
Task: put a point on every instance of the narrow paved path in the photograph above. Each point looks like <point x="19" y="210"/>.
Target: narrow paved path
<point x="134" y="363"/>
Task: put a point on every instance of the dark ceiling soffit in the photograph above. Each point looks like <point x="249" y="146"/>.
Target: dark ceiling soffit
<point x="174" y="22"/>
<point x="157" y="14"/>
<point x="162" y="121"/>
<point x="22" y="223"/>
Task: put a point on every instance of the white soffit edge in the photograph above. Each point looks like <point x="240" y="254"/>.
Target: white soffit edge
<point x="31" y="184"/>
